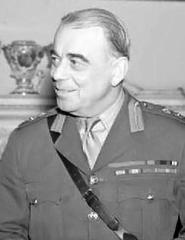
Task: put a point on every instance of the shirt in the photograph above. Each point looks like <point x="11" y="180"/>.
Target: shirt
<point x="107" y="118"/>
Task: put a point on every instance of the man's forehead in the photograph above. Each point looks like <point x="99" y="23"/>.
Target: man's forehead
<point x="86" y="33"/>
<point x="82" y="39"/>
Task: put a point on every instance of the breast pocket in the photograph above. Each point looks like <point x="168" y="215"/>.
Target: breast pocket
<point x="147" y="206"/>
<point x="46" y="209"/>
<point x="57" y="211"/>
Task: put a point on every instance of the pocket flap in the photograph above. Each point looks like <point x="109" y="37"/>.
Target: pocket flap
<point x="38" y="194"/>
<point x="149" y="188"/>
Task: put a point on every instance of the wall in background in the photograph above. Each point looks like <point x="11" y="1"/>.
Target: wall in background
<point x="155" y="28"/>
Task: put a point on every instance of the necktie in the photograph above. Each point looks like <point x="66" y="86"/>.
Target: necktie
<point x="90" y="139"/>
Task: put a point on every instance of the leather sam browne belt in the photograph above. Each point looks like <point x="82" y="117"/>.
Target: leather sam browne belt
<point x="94" y="202"/>
<point x="87" y="193"/>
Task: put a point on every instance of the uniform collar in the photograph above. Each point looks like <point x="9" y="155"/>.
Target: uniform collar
<point x="110" y="114"/>
<point x="68" y="143"/>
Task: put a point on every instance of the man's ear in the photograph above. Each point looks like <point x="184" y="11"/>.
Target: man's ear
<point x="120" y="68"/>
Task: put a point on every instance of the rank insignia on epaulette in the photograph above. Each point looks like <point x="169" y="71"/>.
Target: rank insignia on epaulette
<point x="163" y="110"/>
<point x="31" y="120"/>
<point x="40" y="115"/>
<point x="36" y="118"/>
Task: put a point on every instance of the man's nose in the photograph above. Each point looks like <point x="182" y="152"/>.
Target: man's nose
<point x="61" y="71"/>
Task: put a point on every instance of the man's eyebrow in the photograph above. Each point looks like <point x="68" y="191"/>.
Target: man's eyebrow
<point x="80" y="56"/>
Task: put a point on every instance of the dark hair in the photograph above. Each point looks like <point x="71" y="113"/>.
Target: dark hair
<point x="114" y="30"/>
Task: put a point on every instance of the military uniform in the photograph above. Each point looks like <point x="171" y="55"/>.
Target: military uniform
<point x="139" y="176"/>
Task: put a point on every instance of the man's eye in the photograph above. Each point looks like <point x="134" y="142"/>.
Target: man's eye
<point x="76" y="63"/>
<point x="54" y="60"/>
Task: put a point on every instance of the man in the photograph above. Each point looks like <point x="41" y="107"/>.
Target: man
<point x="129" y="154"/>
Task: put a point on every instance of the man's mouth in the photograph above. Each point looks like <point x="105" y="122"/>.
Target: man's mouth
<point x="61" y="92"/>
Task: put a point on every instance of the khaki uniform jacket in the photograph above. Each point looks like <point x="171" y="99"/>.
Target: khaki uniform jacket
<point x="139" y="176"/>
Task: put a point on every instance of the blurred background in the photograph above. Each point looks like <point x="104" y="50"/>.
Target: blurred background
<point x="156" y="29"/>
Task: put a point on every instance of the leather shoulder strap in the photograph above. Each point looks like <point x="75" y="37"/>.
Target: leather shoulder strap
<point x="91" y="199"/>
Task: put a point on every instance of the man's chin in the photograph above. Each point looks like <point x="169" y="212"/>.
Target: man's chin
<point x="65" y="106"/>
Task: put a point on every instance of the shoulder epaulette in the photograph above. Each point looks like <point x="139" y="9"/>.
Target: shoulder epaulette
<point x="36" y="118"/>
<point x="162" y="110"/>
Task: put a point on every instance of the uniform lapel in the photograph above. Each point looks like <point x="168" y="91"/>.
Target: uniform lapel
<point x="69" y="144"/>
<point x="116" y="142"/>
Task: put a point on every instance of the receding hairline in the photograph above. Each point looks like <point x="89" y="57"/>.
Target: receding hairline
<point x="92" y="17"/>
<point x="114" y="28"/>
<point x="106" y="44"/>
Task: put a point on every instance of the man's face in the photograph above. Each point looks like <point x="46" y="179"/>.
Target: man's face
<point x="82" y="71"/>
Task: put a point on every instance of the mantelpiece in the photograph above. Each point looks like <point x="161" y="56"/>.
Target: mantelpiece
<point x="15" y="109"/>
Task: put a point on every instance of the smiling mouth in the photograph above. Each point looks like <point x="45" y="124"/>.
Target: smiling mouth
<point x="61" y="92"/>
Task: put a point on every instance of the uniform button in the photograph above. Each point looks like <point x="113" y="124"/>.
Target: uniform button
<point x="31" y="118"/>
<point x="166" y="110"/>
<point x="144" y="104"/>
<point x="34" y="202"/>
<point x="178" y="114"/>
<point x="150" y="197"/>
<point x="93" y="179"/>
<point x="92" y="216"/>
